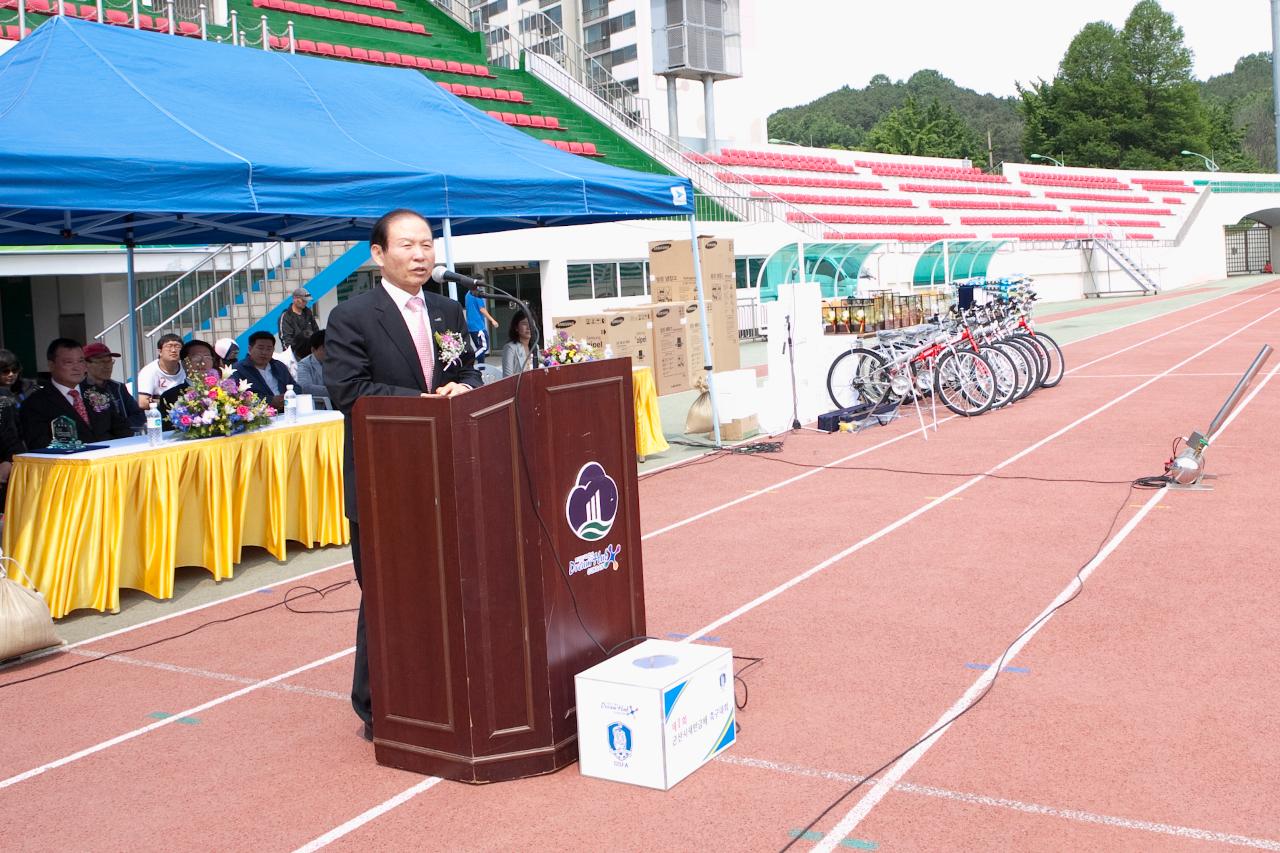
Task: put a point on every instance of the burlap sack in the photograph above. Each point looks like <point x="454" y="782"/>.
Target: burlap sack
<point x="699" y="419"/>
<point x="25" y="623"/>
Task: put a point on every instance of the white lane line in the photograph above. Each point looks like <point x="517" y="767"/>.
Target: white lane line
<point x="811" y="472"/>
<point x="782" y="483"/>
<point x="25" y="659"/>
<point x="1172" y="331"/>
<point x="1077" y="815"/>
<point x="890" y="779"/>
<point x="373" y="813"/>
<point x="858" y="546"/>
<point x="211" y="674"/>
<point x="887" y="782"/>
<point x="189" y="712"/>
<point x="1049" y="320"/>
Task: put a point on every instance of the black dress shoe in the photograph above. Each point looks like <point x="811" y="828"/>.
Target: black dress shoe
<point x="367" y="732"/>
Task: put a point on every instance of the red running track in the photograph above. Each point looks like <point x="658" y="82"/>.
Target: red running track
<point x="1138" y="721"/>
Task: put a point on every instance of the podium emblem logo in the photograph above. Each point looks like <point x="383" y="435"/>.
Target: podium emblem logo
<point x="592" y="504"/>
<point x="620" y="741"/>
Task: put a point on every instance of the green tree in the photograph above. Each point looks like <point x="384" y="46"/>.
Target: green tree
<point x="1126" y="99"/>
<point x="934" y="130"/>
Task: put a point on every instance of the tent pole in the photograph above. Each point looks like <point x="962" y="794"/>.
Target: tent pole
<point x="706" y="335"/>
<point x="132" y="374"/>
<point x="447" y="233"/>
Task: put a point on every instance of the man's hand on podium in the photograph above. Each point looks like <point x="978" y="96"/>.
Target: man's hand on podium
<point x="452" y="389"/>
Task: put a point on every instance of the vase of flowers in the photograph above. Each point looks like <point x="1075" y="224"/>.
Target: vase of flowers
<point x="563" y="349"/>
<point x="218" y="406"/>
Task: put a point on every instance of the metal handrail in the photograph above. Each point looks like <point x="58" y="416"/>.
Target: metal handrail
<point x="676" y="156"/>
<point x="228" y="247"/>
<point x="267" y="248"/>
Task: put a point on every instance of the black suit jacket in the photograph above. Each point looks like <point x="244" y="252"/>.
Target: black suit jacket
<point x="246" y="370"/>
<point x="48" y="403"/>
<point x="368" y="352"/>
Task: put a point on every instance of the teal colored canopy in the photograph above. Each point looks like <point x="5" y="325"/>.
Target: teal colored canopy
<point x="835" y="266"/>
<point x="967" y="259"/>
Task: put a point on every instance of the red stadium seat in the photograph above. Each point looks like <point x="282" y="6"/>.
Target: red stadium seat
<point x="538" y="122"/>
<point x="589" y="148"/>
<point x="553" y="123"/>
<point x="509" y="118"/>
<point x="523" y="120"/>
<point x="575" y="148"/>
<point x="377" y="56"/>
<point x="342" y="50"/>
<point x="360" y="53"/>
<point x="325" y="49"/>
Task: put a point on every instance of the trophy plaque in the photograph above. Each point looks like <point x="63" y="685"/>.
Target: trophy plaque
<point x="65" y="435"/>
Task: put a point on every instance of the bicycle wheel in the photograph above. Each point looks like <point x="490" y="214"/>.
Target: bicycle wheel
<point x="1042" y="354"/>
<point x="1005" y="373"/>
<point x="1032" y="357"/>
<point x="1023" y="364"/>
<point x="1057" y="364"/>
<point x="964" y="382"/>
<point x="857" y="376"/>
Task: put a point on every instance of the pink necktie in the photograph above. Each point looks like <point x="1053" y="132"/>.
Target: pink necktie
<point x="78" y="404"/>
<point x="421" y="335"/>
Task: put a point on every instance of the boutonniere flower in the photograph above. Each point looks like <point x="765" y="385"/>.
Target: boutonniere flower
<point x="98" y="401"/>
<point x="451" y="346"/>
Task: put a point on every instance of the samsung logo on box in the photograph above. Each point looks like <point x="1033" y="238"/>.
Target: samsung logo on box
<point x="617" y="321"/>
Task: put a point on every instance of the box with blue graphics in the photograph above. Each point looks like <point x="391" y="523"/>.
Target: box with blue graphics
<point x="655" y="713"/>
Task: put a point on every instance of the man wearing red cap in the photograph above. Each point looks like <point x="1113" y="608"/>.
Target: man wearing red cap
<point x="101" y="363"/>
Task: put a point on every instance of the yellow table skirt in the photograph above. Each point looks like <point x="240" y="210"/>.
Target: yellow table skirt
<point x="649" y="438"/>
<point x="82" y="528"/>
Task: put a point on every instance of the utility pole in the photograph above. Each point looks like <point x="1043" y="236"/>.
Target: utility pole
<point x="991" y="157"/>
<point x="1275" y="71"/>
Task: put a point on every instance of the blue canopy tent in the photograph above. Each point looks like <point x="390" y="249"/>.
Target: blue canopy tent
<point x="110" y="135"/>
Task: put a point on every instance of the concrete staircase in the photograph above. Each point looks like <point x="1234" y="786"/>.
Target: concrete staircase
<point x="251" y="307"/>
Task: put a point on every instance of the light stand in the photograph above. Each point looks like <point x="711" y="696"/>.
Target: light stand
<point x="1186" y="469"/>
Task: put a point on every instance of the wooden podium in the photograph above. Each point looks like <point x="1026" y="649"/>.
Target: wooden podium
<point x="482" y="518"/>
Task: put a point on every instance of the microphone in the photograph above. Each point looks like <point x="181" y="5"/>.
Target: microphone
<point x="441" y="274"/>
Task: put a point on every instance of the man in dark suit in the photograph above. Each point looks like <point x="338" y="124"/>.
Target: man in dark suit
<point x="94" y="416"/>
<point x="383" y="343"/>
<point x="267" y="377"/>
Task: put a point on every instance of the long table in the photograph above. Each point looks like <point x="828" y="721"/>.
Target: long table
<point x="85" y="525"/>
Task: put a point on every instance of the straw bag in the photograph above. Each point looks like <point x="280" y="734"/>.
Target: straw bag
<point x="25" y="622"/>
<point x="699" y="419"/>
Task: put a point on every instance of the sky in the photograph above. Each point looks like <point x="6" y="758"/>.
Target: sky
<point x="807" y="48"/>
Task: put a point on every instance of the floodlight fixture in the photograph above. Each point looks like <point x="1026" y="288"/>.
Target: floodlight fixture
<point x="1208" y="164"/>
<point x="1186" y="468"/>
<point x="1053" y="160"/>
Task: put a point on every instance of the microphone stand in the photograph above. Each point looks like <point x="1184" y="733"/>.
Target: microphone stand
<point x="789" y="348"/>
<point x="499" y="293"/>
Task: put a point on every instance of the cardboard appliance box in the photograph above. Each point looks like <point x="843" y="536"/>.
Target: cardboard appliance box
<point x="653" y="714"/>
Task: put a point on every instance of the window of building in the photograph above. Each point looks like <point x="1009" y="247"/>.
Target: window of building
<point x="606" y="280"/>
<point x="746" y="270"/>
<point x="605" y="277"/>
<point x="632" y="85"/>
<point x="594" y="9"/>
<point x="580" y="281"/>
<point x="631" y="276"/>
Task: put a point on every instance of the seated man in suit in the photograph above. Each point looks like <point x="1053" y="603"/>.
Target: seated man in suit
<point x="266" y="377"/>
<point x="382" y="342"/>
<point x="94" y="416"/>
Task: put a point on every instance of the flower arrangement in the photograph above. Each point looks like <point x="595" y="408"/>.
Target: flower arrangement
<point x="563" y="349"/>
<point x="451" y="346"/>
<point x="213" y="406"/>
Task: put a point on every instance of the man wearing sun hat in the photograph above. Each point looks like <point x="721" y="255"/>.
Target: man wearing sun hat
<point x="101" y="364"/>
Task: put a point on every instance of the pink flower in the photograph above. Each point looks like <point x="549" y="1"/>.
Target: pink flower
<point x="243" y="411"/>
<point x="186" y="420"/>
<point x="271" y="411"/>
<point x="213" y="393"/>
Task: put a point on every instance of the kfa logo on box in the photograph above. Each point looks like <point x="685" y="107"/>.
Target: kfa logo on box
<point x="620" y="743"/>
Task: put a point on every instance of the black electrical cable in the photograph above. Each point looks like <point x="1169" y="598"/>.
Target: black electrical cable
<point x="528" y="474"/>
<point x="286" y="602"/>
<point x="996" y="669"/>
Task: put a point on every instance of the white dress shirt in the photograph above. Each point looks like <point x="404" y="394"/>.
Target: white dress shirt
<point x="401" y="299"/>
<point x="65" y="391"/>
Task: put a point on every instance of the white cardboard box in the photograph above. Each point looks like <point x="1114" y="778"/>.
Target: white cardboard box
<point x="655" y="713"/>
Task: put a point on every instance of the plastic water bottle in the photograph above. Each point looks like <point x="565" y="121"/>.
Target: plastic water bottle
<point x="608" y="351"/>
<point x="155" y="430"/>
<point x="290" y="405"/>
